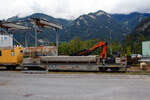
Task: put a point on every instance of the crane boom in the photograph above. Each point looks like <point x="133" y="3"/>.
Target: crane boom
<point x="45" y="23"/>
<point x="12" y="26"/>
<point x="104" y="51"/>
<point x="86" y="52"/>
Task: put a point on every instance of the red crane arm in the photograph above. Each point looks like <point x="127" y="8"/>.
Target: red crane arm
<point x="104" y="51"/>
<point x="86" y="52"/>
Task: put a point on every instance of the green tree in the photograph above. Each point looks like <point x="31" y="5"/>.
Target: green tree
<point x="75" y="45"/>
<point x="63" y="49"/>
<point x="137" y="45"/>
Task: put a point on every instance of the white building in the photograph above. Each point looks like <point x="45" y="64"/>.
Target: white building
<point x="6" y="40"/>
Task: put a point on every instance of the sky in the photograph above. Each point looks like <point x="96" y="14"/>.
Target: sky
<point x="70" y="9"/>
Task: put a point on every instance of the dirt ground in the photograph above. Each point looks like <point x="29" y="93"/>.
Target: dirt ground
<point x="137" y="68"/>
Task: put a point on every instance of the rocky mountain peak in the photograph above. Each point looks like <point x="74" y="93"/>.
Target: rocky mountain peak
<point x="100" y="13"/>
<point x="145" y="25"/>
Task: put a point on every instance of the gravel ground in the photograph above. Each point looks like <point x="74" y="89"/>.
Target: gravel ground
<point x="88" y="86"/>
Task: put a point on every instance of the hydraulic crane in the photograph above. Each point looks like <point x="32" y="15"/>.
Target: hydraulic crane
<point x="86" y="52"/>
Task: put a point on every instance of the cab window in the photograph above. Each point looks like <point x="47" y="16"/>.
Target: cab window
<point x="12" y="53"/>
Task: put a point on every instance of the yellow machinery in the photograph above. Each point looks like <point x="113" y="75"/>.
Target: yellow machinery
<point x="11" y="57"/>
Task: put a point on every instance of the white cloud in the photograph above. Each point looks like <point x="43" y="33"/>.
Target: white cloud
<point x="69" y="8"/>
<point x="126" y="6"/>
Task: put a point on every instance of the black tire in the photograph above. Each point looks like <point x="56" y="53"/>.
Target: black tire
<point x="115" y="69"/>
<point x="31" y="68"/>
<point x="102" y="69"/>
<point x="11" y="67"/>
<point x="8" y="67"/>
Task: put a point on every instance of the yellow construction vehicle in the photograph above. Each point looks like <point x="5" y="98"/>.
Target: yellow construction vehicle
<point x="11" y="57"/>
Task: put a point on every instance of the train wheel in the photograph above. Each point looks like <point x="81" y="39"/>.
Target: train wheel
<point x="8" y="67"/>
<point x="115" y="69"/>
<point x="102" y="69"/>
<point x="11" y="67"/>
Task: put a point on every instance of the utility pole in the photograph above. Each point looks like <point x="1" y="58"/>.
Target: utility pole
<point x="26" y="36"/>
<point x="26" y="41"/>
<point x="35" y="29"/>
<point x="57" y="38"/>
<point x="110" y="43"/>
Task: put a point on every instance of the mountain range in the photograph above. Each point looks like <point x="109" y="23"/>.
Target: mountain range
<point x="98" y="25"/>
<point x="141" y="31"/>
<point x="133" y="41"/>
